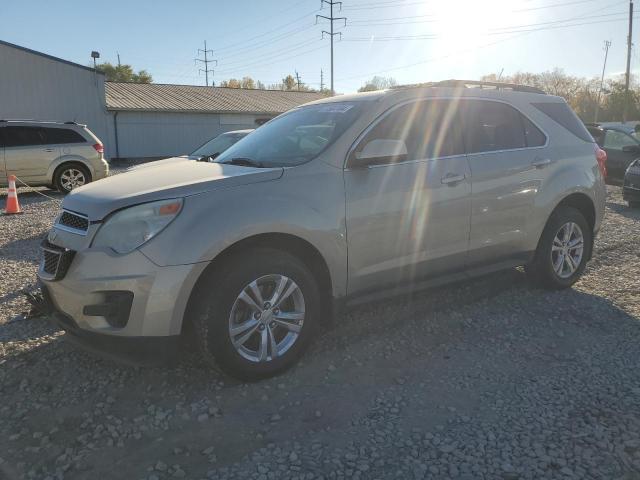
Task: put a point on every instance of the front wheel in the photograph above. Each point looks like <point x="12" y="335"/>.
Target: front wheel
<point x="255" y="316"/>
<point x="563" y="250"/>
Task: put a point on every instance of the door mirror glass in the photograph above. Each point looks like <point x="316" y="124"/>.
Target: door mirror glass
<point x="379" y="151"/>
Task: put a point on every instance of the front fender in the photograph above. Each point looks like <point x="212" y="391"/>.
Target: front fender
<point x="67" y="159"/>
<point x="308" y="207"/>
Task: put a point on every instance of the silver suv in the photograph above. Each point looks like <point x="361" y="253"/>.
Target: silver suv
<point x="335" y="202"/>
<point x="61" y="155"/>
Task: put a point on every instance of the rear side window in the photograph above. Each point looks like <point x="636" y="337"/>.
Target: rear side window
<point x="561" y="113"/>
<point x="492" y="126"/>
<point x="62" y="135"/>
<point x="23" y="136"/>
<point x="428" y="128"/>
<point x="533" y="136"/>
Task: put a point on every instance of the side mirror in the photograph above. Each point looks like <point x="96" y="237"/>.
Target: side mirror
<point x="380" y="151"/>
<point x="631" y="148"/>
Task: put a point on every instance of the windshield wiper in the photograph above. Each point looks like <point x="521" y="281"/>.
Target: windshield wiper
<point x="244" y="161"/>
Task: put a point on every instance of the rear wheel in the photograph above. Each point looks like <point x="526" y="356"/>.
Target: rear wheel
<point x="563" y="250"/>
<point x="255" y="316"/>
<point x="69" y="176"/>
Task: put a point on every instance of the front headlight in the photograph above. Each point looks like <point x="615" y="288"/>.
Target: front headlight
<point x="128" y="229"/>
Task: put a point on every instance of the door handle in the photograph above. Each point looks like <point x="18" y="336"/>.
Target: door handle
<point x="48" y="149"/>
<point x="452" y="178"/>
<point x="541" y="162"/>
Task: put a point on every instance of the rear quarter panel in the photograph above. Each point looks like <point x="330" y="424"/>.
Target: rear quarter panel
<point x="574" y="170"/>
<point x="84" y="154"/>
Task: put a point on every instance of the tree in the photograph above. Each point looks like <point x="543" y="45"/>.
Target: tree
<point x="231" y="83"/>
<point x="582" y="93"/>
<point x="246" y="82"/>
<point x="289" y="83"/>
<point x="378" y="83"/>
<point x="124" y="73"/>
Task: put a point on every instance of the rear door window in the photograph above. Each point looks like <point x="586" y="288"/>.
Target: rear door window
<point x="54" y="136"/>
<point x="533" y="135"/>
<point x="429" y="129"/>
<point x="493" y="126"/>
<point x="23" y="136"/>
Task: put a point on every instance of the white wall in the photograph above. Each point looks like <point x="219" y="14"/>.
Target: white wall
<point x="36" y="87"/>
<point x="157" y="134"/>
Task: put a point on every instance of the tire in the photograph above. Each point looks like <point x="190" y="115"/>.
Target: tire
<point x="551" y="248"/>
<point x="218" y="307"/>
<point x="69" y="176"/>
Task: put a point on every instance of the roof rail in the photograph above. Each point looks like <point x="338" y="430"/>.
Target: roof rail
<point x="5" y="120"/>
<point x="496" y="85"/>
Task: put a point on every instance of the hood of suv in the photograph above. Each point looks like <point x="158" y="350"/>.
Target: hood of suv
<point x="166" y="180"/>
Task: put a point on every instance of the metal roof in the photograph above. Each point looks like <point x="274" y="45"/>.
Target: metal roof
<point x="155" y="97"/>
<point x="50" y="57"/>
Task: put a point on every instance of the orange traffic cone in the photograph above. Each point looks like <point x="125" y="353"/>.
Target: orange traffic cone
<point x="12" y="199"/>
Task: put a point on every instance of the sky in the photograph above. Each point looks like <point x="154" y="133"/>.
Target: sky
<point x="409" y="40"/>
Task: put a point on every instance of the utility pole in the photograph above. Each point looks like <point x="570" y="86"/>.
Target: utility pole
<point x="118" y="58"/>
<point x="628" y="74"/>
<point x="206" y="62"/>
<point x="331" y="34"/>
<point x="298" y="79"/>
<point x="607" y="44"/>
<point x="321" y="80"/>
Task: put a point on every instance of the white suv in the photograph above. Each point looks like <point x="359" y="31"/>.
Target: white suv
<point x="61" y="155"/>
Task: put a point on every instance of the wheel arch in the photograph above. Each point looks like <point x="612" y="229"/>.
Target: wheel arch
<point x="581" y="202"/>
<point x="289" y="243"/>
<point x="59" y="162"/>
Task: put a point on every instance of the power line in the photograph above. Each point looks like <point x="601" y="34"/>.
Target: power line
<point x="506" y="32"/>
<point x="331" y="33"/>
<point x="270" y="58"/>
<point x="466" y="50"/>
<point x="206" y="62"/>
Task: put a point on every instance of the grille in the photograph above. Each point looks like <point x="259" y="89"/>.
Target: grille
<point x="55" y="261"/>
<point x="74" y="221"/>
<point x="51" y="260"/>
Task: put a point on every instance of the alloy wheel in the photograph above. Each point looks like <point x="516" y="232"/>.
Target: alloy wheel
<point x="567" y="250"/>
<point x="266" y="318"/>
<point x="72" y="178"/>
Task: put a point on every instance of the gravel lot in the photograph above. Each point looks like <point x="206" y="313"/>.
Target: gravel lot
<point x="489" y="379"/>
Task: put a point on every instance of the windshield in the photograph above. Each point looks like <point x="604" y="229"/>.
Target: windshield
<point x="295" y="137"/>
<point x="217" y="145"/>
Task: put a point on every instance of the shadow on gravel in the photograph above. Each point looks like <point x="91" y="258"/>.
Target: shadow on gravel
<point x="454" y="346"/>
<point x="24" y="249"/>
<point x="624" y="210"/>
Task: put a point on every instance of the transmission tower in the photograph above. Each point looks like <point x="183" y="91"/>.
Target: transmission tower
<point x="206" y="62"/>
<point x="331" y="33"/>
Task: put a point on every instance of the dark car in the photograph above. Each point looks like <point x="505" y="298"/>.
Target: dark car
<point x="631" y="185"/>
<point x="621" y="147"/>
